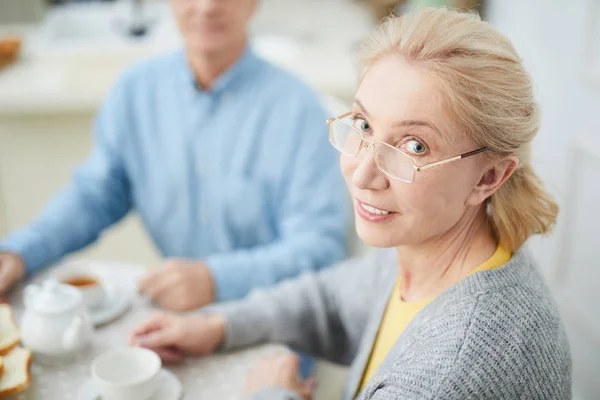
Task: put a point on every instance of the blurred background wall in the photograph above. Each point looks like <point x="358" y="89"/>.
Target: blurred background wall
<point x="555" y="38"/>
<point x="71" y="54"/>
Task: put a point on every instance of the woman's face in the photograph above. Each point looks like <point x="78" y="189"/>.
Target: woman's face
<point x="400" y="104"/>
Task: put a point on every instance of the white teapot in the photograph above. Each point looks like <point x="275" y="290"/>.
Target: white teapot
<point x="56" y="324"/>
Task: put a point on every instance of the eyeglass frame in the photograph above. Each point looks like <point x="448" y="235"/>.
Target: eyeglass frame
<point x="374" y="142"/>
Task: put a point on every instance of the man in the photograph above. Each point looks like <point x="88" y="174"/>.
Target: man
<point x="223" y="156"/>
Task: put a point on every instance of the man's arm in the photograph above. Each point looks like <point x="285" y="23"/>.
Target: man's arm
<point x="312" y="217"/>
<point x="97" y="196"/>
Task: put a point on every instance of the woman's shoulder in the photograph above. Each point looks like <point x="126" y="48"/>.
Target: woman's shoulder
<point x="513" y="345"/>
<point x="509" y="308"/>
<point x="498" y="335"/>
<point x="522" y="321"/>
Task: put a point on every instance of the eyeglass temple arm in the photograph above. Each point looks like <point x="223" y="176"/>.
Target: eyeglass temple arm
<point x="451" y="159"/>
<point x="330" y="120"/>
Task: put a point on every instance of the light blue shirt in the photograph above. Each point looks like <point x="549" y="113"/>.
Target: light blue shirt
<point x="241" y="176"/>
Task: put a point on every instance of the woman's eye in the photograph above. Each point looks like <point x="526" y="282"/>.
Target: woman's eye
<point x="362" y="125"/>
<point x="415" y="147"/>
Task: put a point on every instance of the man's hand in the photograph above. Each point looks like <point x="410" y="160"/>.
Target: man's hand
<point x="180" y="285"/>
<point x="280" y="371"/>
<point x="12" y="269"/>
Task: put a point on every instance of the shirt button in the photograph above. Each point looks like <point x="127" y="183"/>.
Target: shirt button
<point x="201" y="217"/>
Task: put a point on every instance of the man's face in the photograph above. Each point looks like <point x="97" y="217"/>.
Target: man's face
<point x="210" y="26"/>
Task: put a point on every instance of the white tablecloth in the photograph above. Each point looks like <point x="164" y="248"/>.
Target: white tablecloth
<point x="216" y="377"/>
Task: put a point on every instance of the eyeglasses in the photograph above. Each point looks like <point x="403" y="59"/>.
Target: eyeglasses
<point x="393" y="162"/>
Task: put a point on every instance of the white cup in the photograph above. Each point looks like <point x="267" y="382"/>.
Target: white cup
<point x="89" y="284"/>
<point x="126" y="373"/>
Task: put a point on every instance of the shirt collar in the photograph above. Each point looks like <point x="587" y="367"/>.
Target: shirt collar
<point x="228" y="78"/>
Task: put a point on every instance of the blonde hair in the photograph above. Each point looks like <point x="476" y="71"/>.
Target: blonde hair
<point x="489" y="95"/>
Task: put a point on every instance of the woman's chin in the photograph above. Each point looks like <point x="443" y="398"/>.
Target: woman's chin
<point x="377" y="237"/>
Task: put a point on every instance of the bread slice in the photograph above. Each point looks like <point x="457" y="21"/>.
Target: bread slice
<point x="1" y="366"/>
<point x="17" y="372"/>
<point x="10" y="335"/>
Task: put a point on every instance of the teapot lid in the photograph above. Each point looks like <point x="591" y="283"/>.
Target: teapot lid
<point x="52" y="297"/>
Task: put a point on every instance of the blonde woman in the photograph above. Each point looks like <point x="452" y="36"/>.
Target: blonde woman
<point x="435" y="152"/>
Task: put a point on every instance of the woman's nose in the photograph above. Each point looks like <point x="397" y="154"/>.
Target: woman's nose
<point x="367" y="175"/>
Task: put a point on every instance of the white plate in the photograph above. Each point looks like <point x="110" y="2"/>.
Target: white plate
<point x="116" y="303"/>
<point x="169" y="388"/>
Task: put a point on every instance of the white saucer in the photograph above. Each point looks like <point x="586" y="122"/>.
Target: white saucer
<point x="116" y="303"/>
<point x="169" y="388"/>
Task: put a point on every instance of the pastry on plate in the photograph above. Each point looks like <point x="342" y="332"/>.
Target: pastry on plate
<point x="16" y="377"/>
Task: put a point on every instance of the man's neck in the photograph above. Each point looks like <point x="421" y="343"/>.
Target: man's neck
<point x="208" y="67"/>
<point x="429" y="269"/>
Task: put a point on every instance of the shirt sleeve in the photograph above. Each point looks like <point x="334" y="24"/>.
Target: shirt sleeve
<point x="97" y="196"/>
<point x="312" y="217"/>
<point x="320" y="313"/>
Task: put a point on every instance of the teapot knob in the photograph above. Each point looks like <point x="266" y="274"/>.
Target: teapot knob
<point x="50" y="285"/>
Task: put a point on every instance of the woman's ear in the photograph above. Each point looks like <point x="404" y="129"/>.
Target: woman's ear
<point x="492" y="179"/>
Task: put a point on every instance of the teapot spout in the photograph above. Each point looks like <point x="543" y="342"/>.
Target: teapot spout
<point x="75" y="335"/>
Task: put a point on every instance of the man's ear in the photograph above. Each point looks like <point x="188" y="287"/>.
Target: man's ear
<point x="492" y="179"/>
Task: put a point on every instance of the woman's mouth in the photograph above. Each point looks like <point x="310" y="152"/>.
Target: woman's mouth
<point x="371" y="213"/>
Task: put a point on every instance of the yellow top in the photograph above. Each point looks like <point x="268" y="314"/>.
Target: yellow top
<point x="399" y="313"/>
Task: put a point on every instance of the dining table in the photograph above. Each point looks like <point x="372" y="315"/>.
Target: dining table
<point x="219" y="376"/>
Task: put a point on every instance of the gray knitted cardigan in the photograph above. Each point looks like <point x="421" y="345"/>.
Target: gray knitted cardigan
<point x="495" y="335"/>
